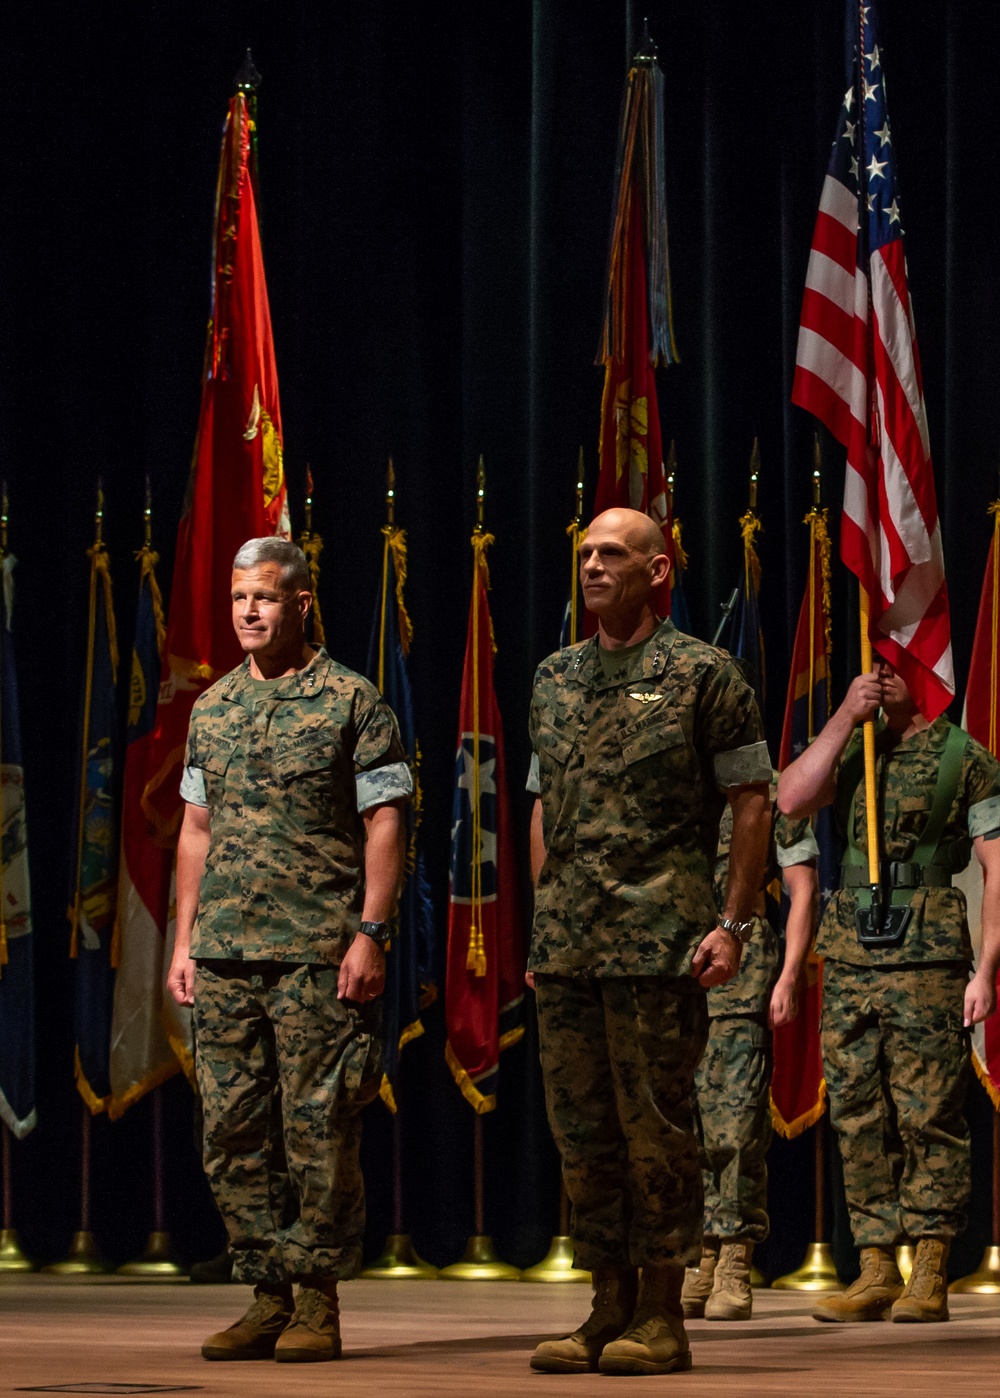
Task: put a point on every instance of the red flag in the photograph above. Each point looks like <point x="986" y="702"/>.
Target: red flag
<point x="798" y="1087"/>
<point x="484" y="992"/>
<point x="237" y="486"/>
<point x="982" y="720"/>
<point x="858" y="370"/>
<point x="638" y="327"/>
<point x="236" y="492"/>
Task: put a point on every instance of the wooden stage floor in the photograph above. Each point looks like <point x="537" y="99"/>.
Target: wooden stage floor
<point x="474" y="1338"/>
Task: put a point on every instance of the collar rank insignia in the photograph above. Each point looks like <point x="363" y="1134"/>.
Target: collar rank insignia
<point x="644" y="696"/>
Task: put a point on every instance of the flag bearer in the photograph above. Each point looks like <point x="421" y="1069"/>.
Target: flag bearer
<point x="897" y="995"/>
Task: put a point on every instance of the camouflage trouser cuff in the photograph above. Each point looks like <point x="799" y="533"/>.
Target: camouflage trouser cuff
<point x="253" y="1266"/>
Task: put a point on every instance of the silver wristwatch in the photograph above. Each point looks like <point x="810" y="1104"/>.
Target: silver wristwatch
<point x="742" y="931"/>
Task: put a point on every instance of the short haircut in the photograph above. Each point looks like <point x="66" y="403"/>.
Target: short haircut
<point x="294" y="568"/>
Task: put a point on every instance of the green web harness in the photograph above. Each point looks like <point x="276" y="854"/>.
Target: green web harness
<point x="884" y="909"/>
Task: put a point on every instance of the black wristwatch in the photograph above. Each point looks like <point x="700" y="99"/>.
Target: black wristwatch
<point x="742" y="931"/>
<point x="378" y="931"/>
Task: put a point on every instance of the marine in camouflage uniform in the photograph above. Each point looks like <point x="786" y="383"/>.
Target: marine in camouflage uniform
<point x="895" y="1017"/>
<point x="635" y="749"/>
<point x="290" y="772"/>
<point x="733" y="1079"/>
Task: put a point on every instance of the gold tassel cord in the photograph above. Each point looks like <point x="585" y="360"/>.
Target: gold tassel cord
<point x="575" y="532"/>
<point x="396" y="542"/>
<point x="476" y="957"/>
<point x="750" y="527"/>
<point x="312" y="546"/>
<point x="147" y="559"/>
<point x="680" y="553"/>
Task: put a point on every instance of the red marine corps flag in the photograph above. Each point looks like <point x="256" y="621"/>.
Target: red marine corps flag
<point x="638" y="320"/>
<point x="858" y="369"/>
<point x="982" y="720"/>
<point x="236" y="492"/>
<point x="798" y="1087"/>
<point x="485" y="963"/>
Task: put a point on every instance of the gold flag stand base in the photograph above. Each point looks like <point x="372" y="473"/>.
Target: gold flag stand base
<point x="757" y="1278"/>
<point x="480" y="1263"/>
<point x="557" y="1265"/>
<point x="904" y="1260"/>
<point x="817" y="1273"/>
<point x="156" y="1263"/>
<point x="83" y="1259"/>
<point x="985" y="1280"/>
<point x="399" y="1261"/>
<point x="12" y="1259"/>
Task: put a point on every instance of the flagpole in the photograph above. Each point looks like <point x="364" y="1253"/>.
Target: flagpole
<point x="12" y="1259"/>
<point x="399" y="1259"/>
<point x="557" y="1264"/>
<point x="311" y="545"/>
<point x="480" y="1262"/>
<point x="84" y="1258"/>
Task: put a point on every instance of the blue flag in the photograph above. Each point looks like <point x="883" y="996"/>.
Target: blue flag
<point x="17" y="990"/>
<point x="95" y="848"/>
<point x="409" y="976"/>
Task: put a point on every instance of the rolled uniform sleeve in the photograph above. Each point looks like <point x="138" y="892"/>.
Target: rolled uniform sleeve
<point x="984" y="818"/>
<point x="731" y="733"/>
<point x="381" y="771"/>
<point x="534" y="782"/>
<point x="193" y="787"/>
<point x="794" y="841"/>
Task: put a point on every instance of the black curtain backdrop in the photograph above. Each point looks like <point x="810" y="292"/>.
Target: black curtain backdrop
<point x="436" y="192"/>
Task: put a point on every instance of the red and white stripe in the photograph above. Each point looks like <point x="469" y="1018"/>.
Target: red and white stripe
<point x="890" y="535"/>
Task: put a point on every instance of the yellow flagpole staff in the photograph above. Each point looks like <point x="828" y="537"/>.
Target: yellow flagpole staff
<point x="476" y="958"/>
<point x="312" y="546"/>
<point x="4" y="620"/>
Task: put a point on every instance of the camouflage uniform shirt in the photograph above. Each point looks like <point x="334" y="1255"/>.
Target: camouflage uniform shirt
<point x="792" y="842"/>
<point x="287" y="768"/>
<point x="632" y="771"/>
<point x="906" y="777"/>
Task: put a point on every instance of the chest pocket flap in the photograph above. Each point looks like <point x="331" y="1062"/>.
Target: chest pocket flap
<point x="309" y="754"/>
<point x="659" y="733"/>
<point x="556" y="738"/>
<point x="214" y="753"/>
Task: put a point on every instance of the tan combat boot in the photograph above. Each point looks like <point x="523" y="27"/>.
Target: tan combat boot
<point x="698" y="1280"/>
<point x="313" y="1333"/>
<point x="655" y="1341"/>
<point x="255" y="1334"/>
<point x="926" y="1294"/>
<point x="731" y="1297"/>
<point x="614" y="1301"/>
<point x="872" y="1295"/>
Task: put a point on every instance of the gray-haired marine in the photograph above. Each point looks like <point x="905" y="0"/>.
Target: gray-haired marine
<point x="288" y="868"/>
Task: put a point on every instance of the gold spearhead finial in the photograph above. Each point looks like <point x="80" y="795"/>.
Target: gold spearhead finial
<point x="147" y="516"/>
<point x="309" y="501"/>
<point x="754" y="474"/>
<point x="579" y="487"/>
<point x="390" y="493"/>
<point x="4" y="515"/>
<point x="99" y="513"/>
<point x="480" y="495"/>
<point x="817" y="471"/>
<point x="670" y="471"/>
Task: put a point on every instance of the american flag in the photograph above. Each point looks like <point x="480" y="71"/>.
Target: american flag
<point x="858" y="369"/>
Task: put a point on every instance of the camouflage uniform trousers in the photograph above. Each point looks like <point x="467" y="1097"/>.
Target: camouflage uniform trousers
<point x="733" y="1121"/>
<point x="275" y="1044"/>
<point x="618" y="1060"/>
<point x="897" y="1066"/>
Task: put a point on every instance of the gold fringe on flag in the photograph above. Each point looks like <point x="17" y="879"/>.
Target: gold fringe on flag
<point x="680" y="553"/>
<point x="476" y="957"/>
<point x="788" y="1130"/>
